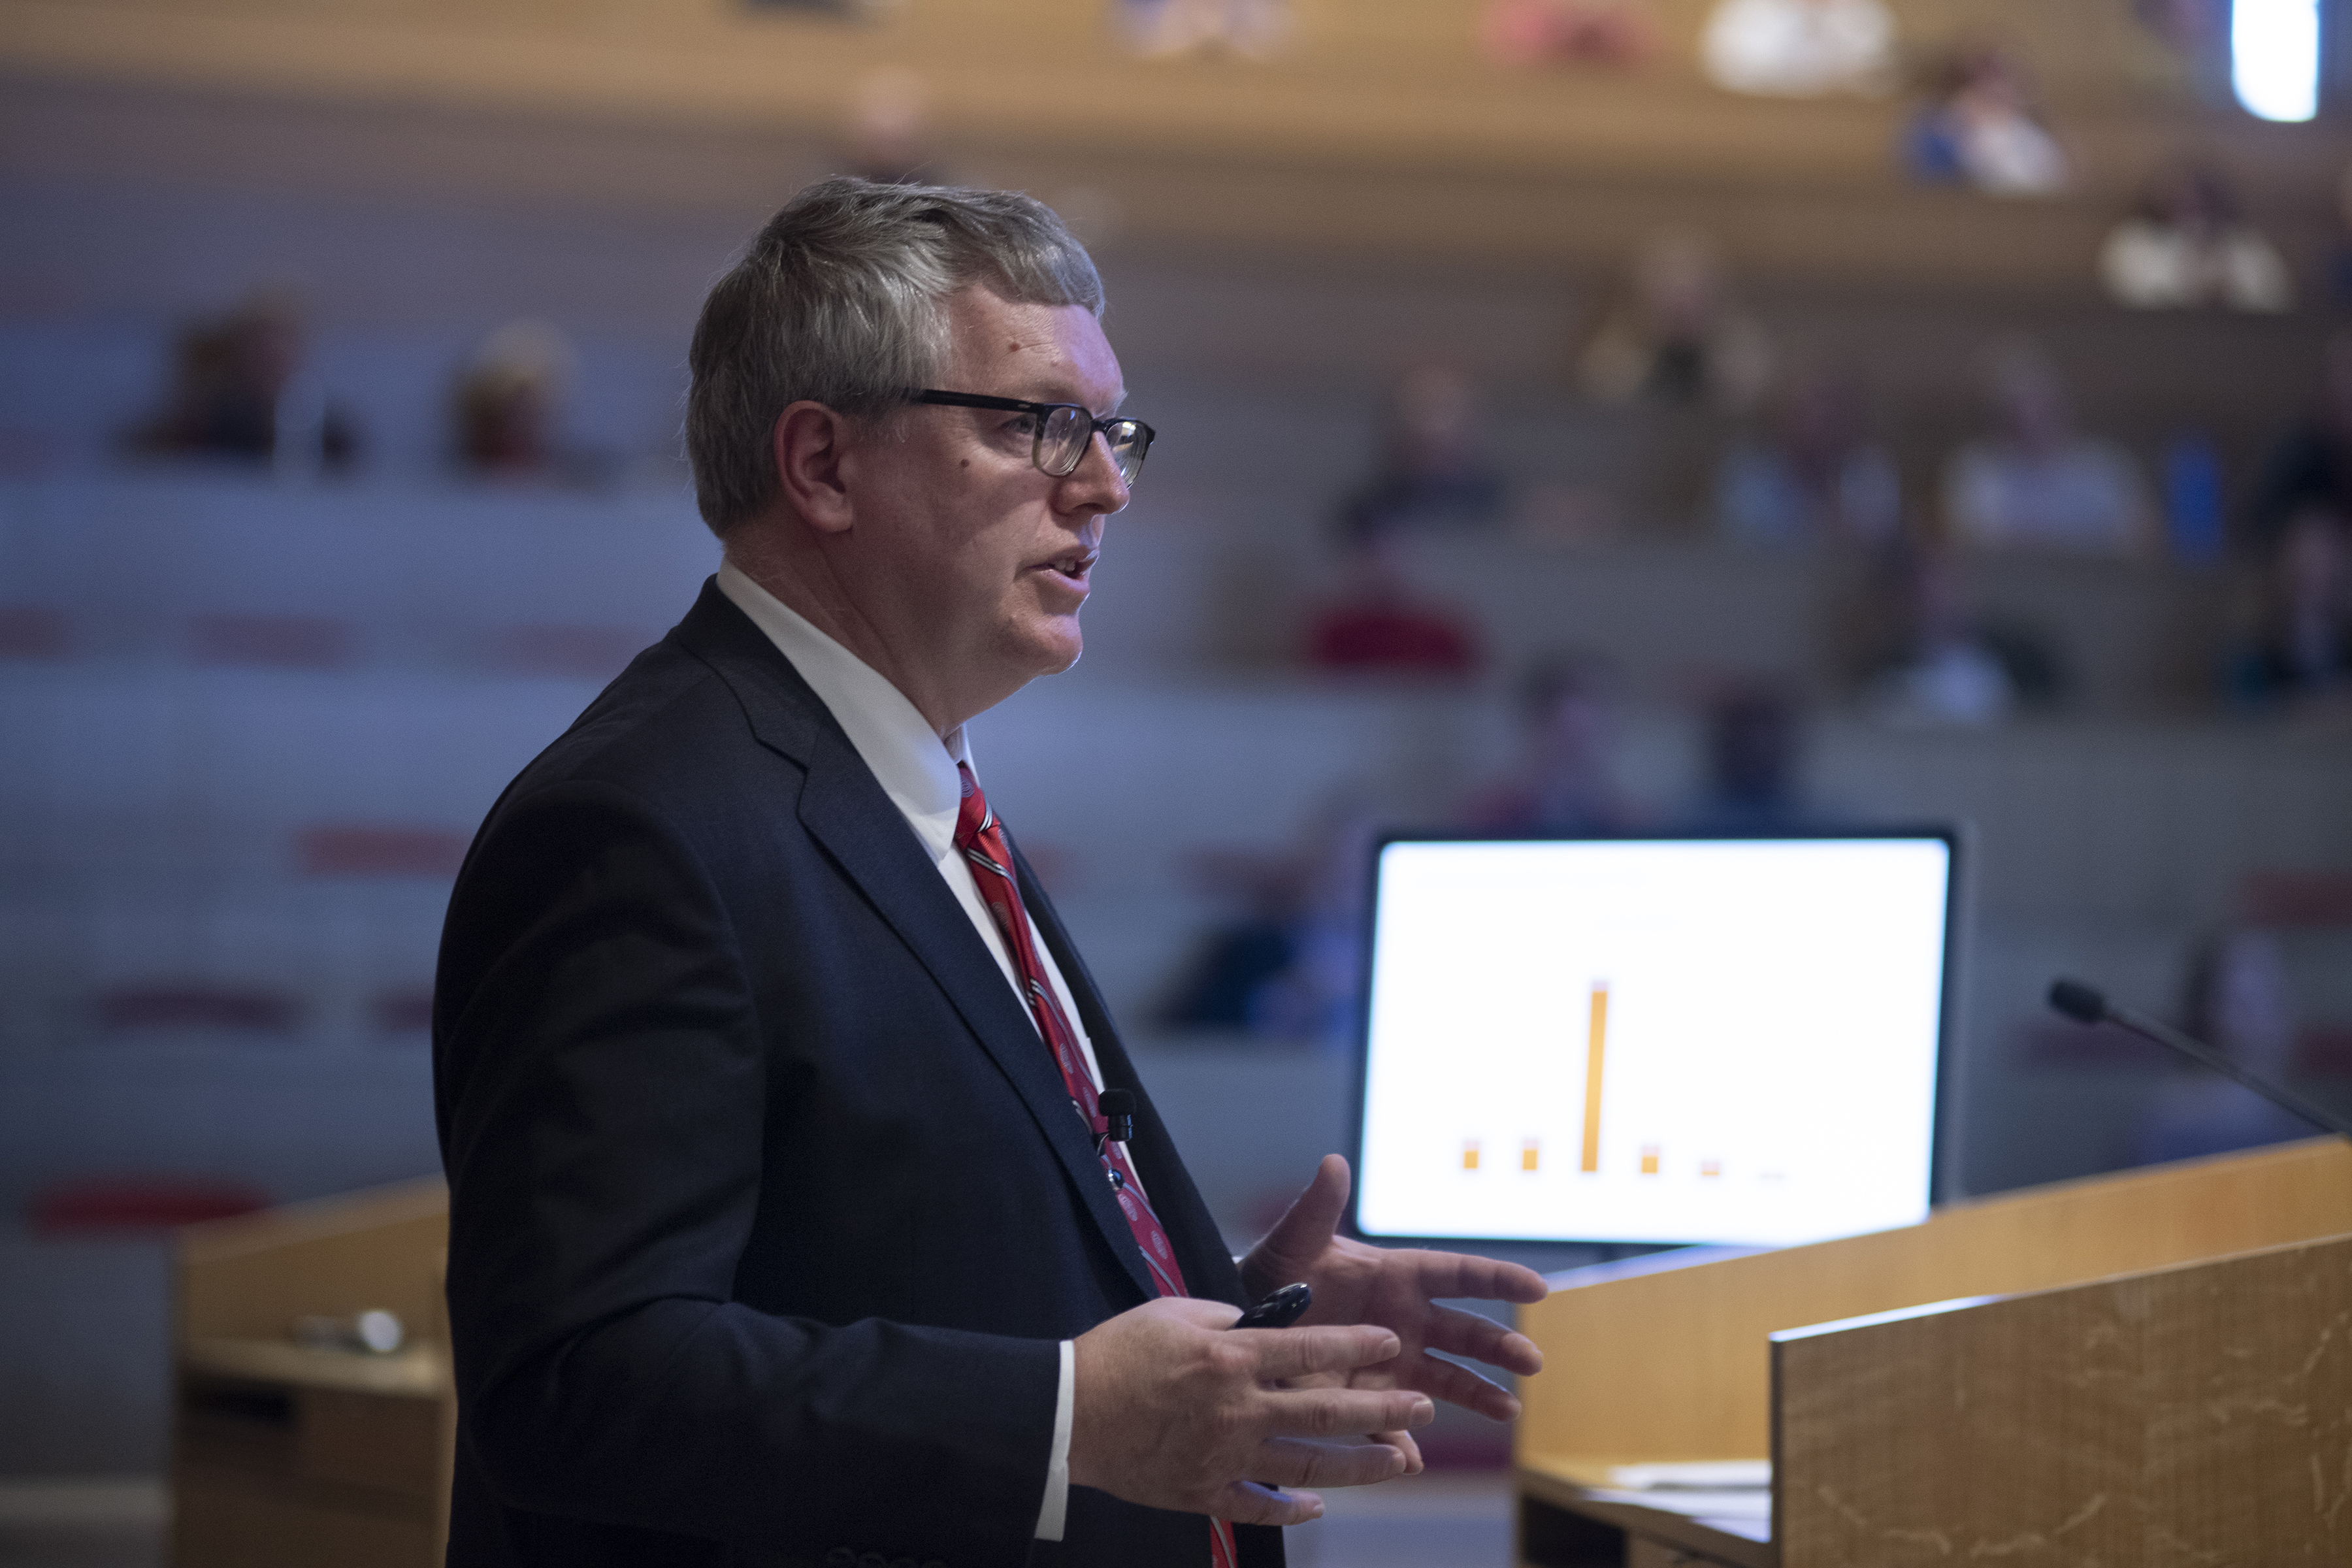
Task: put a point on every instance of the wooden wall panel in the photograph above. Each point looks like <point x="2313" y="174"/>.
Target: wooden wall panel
<point x="2200" y="1414"/>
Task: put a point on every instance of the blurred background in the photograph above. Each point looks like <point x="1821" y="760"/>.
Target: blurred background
<point x="1574" y="414"/>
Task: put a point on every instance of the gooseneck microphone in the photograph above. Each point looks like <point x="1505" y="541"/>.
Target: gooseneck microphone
<point x="2087" y="1005"/>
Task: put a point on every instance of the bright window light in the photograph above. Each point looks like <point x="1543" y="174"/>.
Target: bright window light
<point x="2274" y="57"/>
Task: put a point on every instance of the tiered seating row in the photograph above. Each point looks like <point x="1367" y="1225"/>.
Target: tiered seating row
<point x="246" y="862"/>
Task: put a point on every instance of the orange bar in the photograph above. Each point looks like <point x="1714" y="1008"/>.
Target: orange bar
<point x="1470" y="1153"/>
<point x="1529" y="1152"/>
<point x="1596" y="1041"/>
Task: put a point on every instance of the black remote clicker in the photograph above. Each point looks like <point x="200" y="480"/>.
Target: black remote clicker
<point x="1278" y="1311"/>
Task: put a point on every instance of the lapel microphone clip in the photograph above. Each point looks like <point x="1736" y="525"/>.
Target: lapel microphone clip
<point x="1118" y="1124"/>
<point x="1117" y="1111"/>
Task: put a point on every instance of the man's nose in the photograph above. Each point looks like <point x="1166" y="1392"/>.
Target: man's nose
<point x="1098" y="474"/>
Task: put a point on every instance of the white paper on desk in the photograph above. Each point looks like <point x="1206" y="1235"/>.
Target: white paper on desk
<point x="1756" y="1529"/>
<point x="1743" y="1504"/>
<point x="1702" y="1475"/>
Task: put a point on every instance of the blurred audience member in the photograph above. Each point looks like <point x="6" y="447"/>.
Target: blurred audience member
<point x="241" y="388"/>
<point x="1678" y="337"/>
<point x="1817" y="480"/>
<point x="2037" y="485"/>
<point x="507" y="400"/>
<point x="2196" y="514"/>
<point x="1799" y="49"/>
<point x="2238" y="1000"/>
<point x="2313" y="464"/>
<point x="1755" y="737"/>
<point x="1288" y="969"/>
<point x="2187" y="247"/>
<point x="2301" y="652"/>
<point x="1615" y="34"/>
<point x="886" y="136"/>
<point x="1434" y="472"/>
<point x="1220" y="987"/>
<point x="1381" y="621"/>
<point x="1314" y="1000"/>
<point x="1253" y="29"/>
<point x="1980" y="128"/>
<point x="1938" y="670"/>
<point x="1562" y="780"/>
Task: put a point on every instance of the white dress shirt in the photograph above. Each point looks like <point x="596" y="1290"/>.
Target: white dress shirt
<point x="917" y="772"/>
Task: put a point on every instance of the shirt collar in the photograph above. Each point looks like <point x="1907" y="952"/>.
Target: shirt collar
<point x="915" y="769"/>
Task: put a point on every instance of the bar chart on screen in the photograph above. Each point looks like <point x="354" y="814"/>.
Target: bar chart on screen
<point x="1680" y="1040"/>
<point x="1651" y="1156"/>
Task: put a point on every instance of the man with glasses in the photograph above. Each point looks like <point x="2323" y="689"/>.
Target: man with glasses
<point x="795" y="1213"/>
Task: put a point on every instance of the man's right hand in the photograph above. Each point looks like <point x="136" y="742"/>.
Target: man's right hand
<point x="1177" y="1409"/>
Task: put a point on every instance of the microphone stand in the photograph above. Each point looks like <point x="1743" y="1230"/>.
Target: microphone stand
<point x="2086" y="1005"/>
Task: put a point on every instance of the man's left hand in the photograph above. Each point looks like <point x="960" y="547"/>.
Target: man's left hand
<point x="1399" y="1290"/>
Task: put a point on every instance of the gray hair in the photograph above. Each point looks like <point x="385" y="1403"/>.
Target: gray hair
<point x="841" y="301"/>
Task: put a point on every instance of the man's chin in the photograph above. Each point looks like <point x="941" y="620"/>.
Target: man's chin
<point x="1033" y="648"/>
<point x="1064" y="656"/>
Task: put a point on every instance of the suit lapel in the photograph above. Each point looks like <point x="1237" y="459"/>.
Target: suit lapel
<point x="844" y="808"/>
<point x="1209" y="1271"/>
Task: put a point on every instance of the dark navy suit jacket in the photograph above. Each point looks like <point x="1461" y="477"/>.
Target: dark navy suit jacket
<point x="767" y="1205"/>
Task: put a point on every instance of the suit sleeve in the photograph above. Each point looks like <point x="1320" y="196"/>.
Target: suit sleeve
<point x="603" y="1104"/>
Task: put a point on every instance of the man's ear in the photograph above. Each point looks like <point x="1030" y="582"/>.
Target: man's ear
<point x="809" y="441"/>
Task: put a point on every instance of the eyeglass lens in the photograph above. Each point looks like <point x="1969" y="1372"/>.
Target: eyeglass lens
<point x="1062" y="443"/>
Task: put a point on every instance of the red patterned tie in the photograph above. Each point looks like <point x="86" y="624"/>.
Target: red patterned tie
<point x="981" y="839"/>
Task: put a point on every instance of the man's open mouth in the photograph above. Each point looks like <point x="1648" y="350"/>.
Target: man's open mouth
<point x="1074" y="566"/>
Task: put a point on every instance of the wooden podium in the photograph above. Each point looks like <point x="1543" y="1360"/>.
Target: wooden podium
<point x="311" y="1458"/>
<point x="2151" y="1368"/>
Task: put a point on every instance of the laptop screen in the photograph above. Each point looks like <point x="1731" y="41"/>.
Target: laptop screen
<point x="1675" y="1039"/>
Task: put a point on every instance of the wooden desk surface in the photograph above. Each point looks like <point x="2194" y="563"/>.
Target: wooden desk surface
<point x="420" y="1372"/>
<point x="1576" y="1485"/>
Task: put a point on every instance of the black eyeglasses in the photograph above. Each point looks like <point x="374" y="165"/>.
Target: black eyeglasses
<point x="1058" y="441"/>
